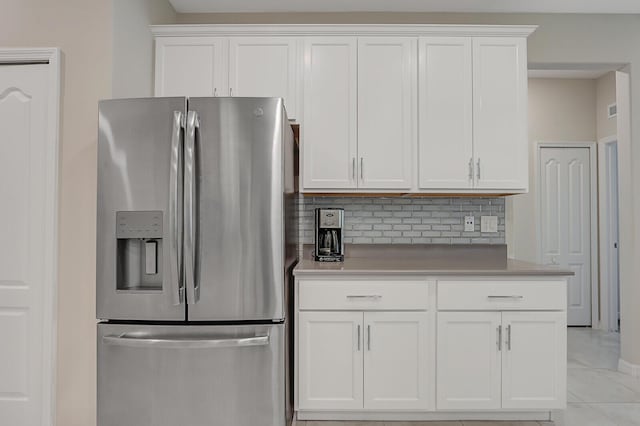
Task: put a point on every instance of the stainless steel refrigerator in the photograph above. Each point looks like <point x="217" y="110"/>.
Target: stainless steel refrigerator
<point x="196" y="240"/>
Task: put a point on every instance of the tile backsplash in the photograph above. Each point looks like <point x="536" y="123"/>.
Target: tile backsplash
<point x="397" y="220"/>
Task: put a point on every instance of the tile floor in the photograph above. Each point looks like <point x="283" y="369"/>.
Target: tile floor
<point x="597" y="394"/>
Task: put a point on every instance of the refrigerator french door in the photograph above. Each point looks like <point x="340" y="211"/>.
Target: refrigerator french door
<point x="195" y="244"/>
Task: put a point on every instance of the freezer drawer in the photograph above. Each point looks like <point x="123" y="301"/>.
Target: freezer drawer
<point x="191" y="375"/>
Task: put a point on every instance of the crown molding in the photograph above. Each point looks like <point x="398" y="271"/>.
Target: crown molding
<point x="219" y="30"/>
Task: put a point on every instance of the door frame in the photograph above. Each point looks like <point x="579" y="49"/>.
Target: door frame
<point x="608" y="321"/>
<point x="593" y="182"/>
<point x="50" y="56"/>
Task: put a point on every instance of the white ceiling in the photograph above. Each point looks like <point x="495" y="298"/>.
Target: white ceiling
<point x="475" y="6"/>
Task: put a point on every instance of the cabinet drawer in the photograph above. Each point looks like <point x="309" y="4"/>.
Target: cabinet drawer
<point x="362" y="295"/>
<point x="502" y="295"/>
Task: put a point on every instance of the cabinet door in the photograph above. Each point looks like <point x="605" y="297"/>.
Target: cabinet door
<point x="500" y="113"/>
<point x="445" y="118"/>
<point x="386" y="135"/>
<point x="468" y="360"/>
<point x="191" y="66"/>
<point x="330" y="365"/>
<point x="329" y="127"/>
<point x="264" y="67"/>
<point x="396" y="360"/>
<point x="534" y="360"/>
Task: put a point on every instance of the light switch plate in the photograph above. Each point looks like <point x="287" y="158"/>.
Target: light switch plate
<point x="489" y="224"/>
<point x="469" y="223"/>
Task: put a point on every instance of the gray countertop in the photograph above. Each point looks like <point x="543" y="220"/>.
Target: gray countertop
<point x="427" y="259"/>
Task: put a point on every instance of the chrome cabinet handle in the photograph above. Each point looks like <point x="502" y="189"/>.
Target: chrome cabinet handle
<point x="358" y="337"/>
<point x="175" y="209"/>
<point x="190" y="220"/>
<point x="361" y="168"/>
<point x="175" y="343"/>
<point x="499" y="341"/>
<point x="471" y="168"/>
<point x="505" y="297"/>
<point x="369" y="337"/>
<point x="364" y="296"/>
<point x="478" y="169"/>
<point x="509" y="337"/>
<point x="215" y="91"/>
<point x="230" y="91"/>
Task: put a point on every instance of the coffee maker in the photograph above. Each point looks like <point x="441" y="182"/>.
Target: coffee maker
<point x="329" y="239"/>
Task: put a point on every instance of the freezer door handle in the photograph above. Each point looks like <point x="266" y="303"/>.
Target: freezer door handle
<point x="175" y="209"/>
<point x="192" y="343"/>
<point x="190" y="210"/>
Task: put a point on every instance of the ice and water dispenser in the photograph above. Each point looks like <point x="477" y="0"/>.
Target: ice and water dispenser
<point x="139" y="250"/>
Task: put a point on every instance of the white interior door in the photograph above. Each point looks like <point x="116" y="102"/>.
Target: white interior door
<point x="24" y="241"/>
<point x="610" y="267"/>
<point x="565" y="222"/>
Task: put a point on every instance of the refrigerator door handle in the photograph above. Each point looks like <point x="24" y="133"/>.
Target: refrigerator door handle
<point x="168" y="343"/>
<point x="175" y="209"/>
<point x="190" y="219"/>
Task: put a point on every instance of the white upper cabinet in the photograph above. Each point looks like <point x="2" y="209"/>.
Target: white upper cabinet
<point x="191" y="66"/>
<point x="500" y="112"/>
<point x="329" y="129"/>
<point x="264" y="67"/>
<point x="386" y="123"/>
<point x="445" y="120"/>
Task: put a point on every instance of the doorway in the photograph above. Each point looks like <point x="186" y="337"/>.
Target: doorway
<point x="29" y="85"/>
<point x="609" y="233"/>
<point x="567" y="219"/>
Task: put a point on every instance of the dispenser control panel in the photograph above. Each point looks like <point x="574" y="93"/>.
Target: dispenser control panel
<point x="139" y="224"/>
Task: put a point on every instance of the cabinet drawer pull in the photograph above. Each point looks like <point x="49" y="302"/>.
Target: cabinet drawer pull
<point x="368" y="337"/>
<point x="509" y="337"/>
<point x="506" y="297"/>
<point x="365" y="296"/>
<point x="499" y="341"/>
<point x="358" y="337"/>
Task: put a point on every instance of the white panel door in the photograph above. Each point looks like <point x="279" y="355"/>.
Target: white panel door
<point x="330" y="365"/>
<point x="23" y="244"/>
<point x="396" y="360"/>
<point x="386" y="90"/>
<point x="565" y="221"/>
<point x="534" y="360"/>
<point x="500" y="112"/>
<point x="191" y="66"/>
<point x="264" y="67"/>
<point x="445" y="147"/>
<point x="329" y="129"/>
<point x="468" y="360"/>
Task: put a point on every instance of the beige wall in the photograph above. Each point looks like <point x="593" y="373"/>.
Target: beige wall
<point x="560" y="38"/>
<point x="560" y="110"/>
<point x="133" y="59"/>
<point x="83" y="31"/>
<point x="606" y="95"/>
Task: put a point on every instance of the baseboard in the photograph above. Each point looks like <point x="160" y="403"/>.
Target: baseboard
<point x="628" y="368"/>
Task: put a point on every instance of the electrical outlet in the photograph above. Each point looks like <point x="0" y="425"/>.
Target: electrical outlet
<point x="469" y="223"/>
<point x="488" y="223"/>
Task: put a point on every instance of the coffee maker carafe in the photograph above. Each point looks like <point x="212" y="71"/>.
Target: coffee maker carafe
<point x="329" y="239"/>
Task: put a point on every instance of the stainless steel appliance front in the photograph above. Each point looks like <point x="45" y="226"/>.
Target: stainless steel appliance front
<point x="235" y="208"/>
<point x="191" y="375"/>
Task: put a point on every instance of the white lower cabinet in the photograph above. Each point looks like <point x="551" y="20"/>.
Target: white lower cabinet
<point x="534" y="360"/>
<point x="501" y="360"/>
<point x="330" y="360"/>
<point x="468" y="360"/>
<point x="396" y="360"/>
<point x="356" y="360"/>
